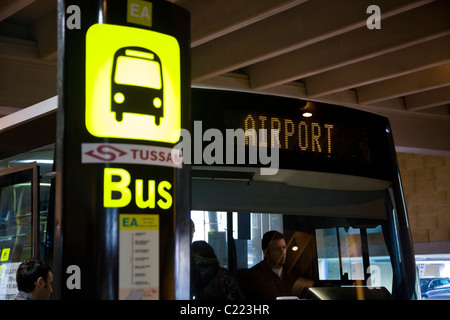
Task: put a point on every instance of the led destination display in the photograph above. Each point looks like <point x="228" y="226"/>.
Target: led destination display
<point x="331" y="137"/>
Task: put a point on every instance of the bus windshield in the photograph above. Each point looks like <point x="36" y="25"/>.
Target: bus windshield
<point x="325" y="254"/>
<point x="138" y="72"/>
<point x="334" y="237"/>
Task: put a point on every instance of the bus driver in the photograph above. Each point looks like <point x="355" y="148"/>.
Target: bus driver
<point x="268" y="280"/>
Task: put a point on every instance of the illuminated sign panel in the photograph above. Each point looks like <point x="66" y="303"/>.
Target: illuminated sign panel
<point x="333" y="138"/>
<point x="132" y="84"/>
<point x="294" y="133"/>
<point x="320" y="136"/>
<point x="123" y="95"/>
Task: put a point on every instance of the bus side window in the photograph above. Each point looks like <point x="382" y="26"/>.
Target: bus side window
<point x="23" y="245"/>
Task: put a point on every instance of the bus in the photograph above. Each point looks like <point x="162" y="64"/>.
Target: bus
<point x="137" y="83"/>
<point x="336" y="197"/>
<point x="334" y="193"/>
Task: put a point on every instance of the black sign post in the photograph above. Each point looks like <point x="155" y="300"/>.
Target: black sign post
<point x="122" y="196"/>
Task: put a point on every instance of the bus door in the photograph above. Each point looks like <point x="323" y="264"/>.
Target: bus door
<point x="137" y="83"/>
<point x="24" y="206"/>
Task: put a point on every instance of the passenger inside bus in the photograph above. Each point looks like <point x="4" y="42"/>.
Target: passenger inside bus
<point x="269" y="279"/>
<point x="212" y="282"/>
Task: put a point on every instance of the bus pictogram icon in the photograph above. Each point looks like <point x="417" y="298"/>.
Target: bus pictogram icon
<point x="133" y="84"/>
<point x="137" y="84"/>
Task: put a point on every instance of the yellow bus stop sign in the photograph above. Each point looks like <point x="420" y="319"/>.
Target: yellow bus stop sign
<point x="132" y="84"/>
<point x="5" y="254"/>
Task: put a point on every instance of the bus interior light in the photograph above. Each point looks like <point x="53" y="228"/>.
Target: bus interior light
<point x="294" y="245"/>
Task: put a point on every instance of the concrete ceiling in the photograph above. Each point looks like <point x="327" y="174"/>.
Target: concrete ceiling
<point x="320" y="50"/>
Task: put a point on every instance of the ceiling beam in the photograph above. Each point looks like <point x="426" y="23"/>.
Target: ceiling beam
<point x="234" y="15"/>
<point x="29" y="113"/>
<point x="23" y="84"/>
<point x="23" y="71"/>
<point x="300" y="26"/>
<point x="419" y="81"/>
<point x="428" y="99"/>
<point x="17" y="49"/>
<point x="10" y="7"/>
<point x="442" y="110"/>
<point x="418" y="134"/>
<point x="44" y="32"/>
<point x="407" y="29"/>
<point x="395" y="64"/>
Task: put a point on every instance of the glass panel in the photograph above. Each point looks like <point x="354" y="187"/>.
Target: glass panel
<point x="328" y="254"/>
<point x="351" y="253"/>
<point x="16" y="223"/>
<point x="345" y="252"/>
<point x="16" y="233"/>
<point x="340" y="249"/>
<point x="44" y="197"/>
<point x="260" y="224"/>
<point x="380" y="262"/>
<point x="211" y="226"/>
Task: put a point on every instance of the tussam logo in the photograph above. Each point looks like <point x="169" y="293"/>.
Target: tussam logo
<point x="129" y="153"/>
<point x="105" y="153"/>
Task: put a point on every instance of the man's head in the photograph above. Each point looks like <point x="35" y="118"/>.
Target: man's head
<point x="274" y="248"/>
<point x="35" y="277"/>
